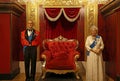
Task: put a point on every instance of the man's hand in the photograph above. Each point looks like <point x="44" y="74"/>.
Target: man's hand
<point x="30" y="45"/>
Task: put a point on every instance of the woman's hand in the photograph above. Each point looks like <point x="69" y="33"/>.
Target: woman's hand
<point x="97" y="51"/>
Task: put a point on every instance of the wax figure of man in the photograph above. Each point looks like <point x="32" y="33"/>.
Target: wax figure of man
<point x="30" y="40"/>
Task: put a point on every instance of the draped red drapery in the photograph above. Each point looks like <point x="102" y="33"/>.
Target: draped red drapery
<point x="53" y="12"/>
<point x="71" y="14"/>
<point x="61" y="21"/>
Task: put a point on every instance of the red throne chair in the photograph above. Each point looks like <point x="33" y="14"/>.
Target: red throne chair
<point x="60" y="56"/>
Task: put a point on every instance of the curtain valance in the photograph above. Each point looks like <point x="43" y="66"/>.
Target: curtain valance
<point x="71" y="14"/>
<point x="53" y="14"/>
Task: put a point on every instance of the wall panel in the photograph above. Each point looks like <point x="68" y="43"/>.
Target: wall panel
<point x="111" y="38"/>
<point x="9" y="39"/>
<point x="4" y="43"/>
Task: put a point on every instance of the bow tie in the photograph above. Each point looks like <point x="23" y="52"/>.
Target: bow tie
<point x="29" y="29"/>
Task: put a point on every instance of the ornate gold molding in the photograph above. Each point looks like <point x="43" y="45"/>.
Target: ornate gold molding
<point x="32" y="14"/>
<point x="64" y="3"/>
<point x="57" y="3"/>
<point x="91" y="17"/>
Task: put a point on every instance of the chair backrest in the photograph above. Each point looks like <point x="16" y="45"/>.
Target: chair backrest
<point x="60" y="43"/>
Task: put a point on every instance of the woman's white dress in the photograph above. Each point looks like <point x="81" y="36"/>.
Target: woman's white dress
<point x="94" y="64"/>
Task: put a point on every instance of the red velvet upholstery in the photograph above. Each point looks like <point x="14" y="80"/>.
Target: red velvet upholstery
<point x="60" y="54"/>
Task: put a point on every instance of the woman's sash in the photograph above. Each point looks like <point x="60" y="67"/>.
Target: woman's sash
<point x="93" y="44"/>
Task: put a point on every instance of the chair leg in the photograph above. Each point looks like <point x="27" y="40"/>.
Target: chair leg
<point x="77" y="75"/>
<point x="43" y="72"/>
<point x="77" y="72"/>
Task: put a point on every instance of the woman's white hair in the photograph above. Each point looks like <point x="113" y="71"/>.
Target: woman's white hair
<point x="93" y="27"/>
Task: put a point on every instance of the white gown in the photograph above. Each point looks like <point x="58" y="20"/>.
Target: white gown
<point x="94" y="64"/>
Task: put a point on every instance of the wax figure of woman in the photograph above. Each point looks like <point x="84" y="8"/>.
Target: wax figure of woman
<point x="94" y="45"/>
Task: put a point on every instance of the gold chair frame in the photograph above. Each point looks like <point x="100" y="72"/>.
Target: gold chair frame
<point x="76" y="71"/>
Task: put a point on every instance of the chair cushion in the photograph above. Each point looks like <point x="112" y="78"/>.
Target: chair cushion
<point x="61" y="62"/>
<point x="62" y="54"/>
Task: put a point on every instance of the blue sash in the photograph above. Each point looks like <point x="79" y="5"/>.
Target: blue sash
<point x="30" y="39"/>
<point x="93" y="44"/>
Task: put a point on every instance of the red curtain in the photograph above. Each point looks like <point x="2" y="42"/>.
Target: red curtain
<point x="112" y="25"/>
<point x="62" y="25"/>
<point x="102" y="32"/>
<point x="71" y="12"/>
<point x="53" y="12"/>
<point x="80" y="34"/>
<point x="22" y="26"/>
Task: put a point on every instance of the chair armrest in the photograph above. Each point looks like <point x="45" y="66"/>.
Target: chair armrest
<point x="43" y="56"/>
<point x="76" y="57"/>
<point x="46" y="55"/>
<point x="75" y="54"/>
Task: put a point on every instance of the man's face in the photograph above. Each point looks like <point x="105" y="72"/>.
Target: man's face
<point x="30" y="24"/>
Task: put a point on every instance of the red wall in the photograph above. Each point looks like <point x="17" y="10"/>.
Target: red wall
<point x="109" y="29"/>
<point x="15" y="42"/>
<point x="102" y="32"/>
<point x="80" y="34"/>
<point x="5" y="43"/>
<point x="10" y="44"/>
<point x="21" y="26"/>
<point x="118" y="42"/>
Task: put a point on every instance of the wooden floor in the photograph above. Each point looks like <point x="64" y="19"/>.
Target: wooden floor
<point x="21" y="77"/>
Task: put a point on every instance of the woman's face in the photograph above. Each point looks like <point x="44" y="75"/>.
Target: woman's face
<point x="94" y="32"/>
